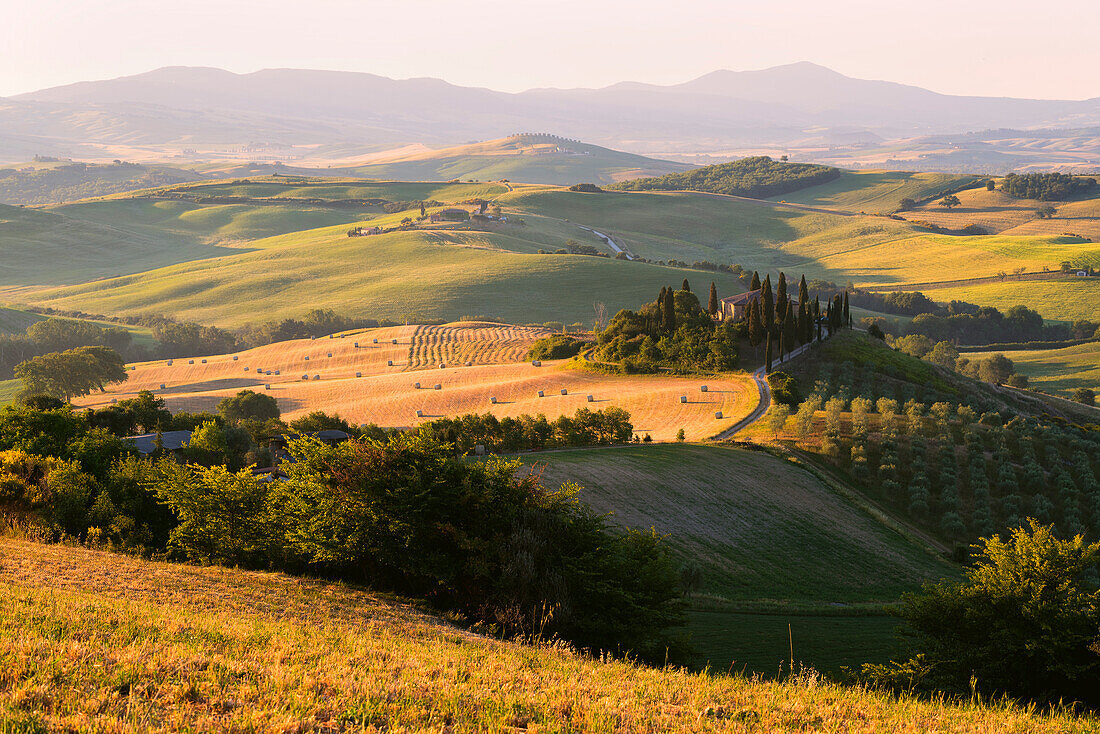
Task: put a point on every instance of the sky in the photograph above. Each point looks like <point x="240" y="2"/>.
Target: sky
<point x="1048" y="50"/>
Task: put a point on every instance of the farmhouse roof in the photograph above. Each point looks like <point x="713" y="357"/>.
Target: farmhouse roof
<point x="742" y="298"/>
<point x="146" y="443"/>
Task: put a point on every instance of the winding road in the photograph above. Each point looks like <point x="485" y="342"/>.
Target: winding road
<point x="607" y="238"/>
<point x="761" y="380"/>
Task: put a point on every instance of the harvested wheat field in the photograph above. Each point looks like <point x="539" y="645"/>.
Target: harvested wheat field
<point x="388" y="396"/>
<point x="471" y="341"/>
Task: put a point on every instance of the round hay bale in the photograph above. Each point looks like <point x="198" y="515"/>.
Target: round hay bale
<point x="162" y="386"/>
<point x="683" y="398"/>
<point x="234" y="357"/>
<point x="442" y="365"/>
<point x="358" y="374"/>
<point x="437" y="386"/>
<point x="420" y="414"/>
<point x="564" y="391"/>
<point x="590" y="399"/>
<point x="169" y="363"/>
<point x="389" y="363"/>
<point x="307" y="357"/>
<point x="492" y="401"/>
<point x="394" y="341"/>
<point x="305" y="377"/>
<point x="375" y="341"/>
<point x="718" y="414"/>
<point x="702" y="388"/>
<point x="316" y="377"/>
<point x="330" y="354"/>
<point x="416" y="385"/>
<point x="267" y="387"/>
<point x="190" y="361"/>
<point x="356" y="345"/>
<point x="204" y="361"/>
<point x="536" y="363"/>
<point x="540" y="393"/>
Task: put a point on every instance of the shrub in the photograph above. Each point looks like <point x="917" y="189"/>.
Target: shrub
<point x="556" y="347"/>
<point x="1021" y="623"/>
<point x="784" y="389"/>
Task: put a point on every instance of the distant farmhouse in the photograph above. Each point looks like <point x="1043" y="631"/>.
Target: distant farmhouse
<point x="735" y="308"/>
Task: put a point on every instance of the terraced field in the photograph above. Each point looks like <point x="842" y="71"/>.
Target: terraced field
<point x="471" y="343"/>
<point x="307" y="375"/>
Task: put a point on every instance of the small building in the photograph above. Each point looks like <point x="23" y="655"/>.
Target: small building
<point x="736" y="307"/>
<point x="171" y="441"/>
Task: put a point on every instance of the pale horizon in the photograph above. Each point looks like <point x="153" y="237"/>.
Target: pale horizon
<point x="950" y="49"/>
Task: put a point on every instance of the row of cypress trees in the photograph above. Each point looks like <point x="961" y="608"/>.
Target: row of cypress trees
<point x="782" y="324"/>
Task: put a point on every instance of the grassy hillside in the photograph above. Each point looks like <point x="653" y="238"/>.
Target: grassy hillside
<point x="757" y="176"/>
<point x="1065" y="300"/>
<point x="1058" y="371"/>
<point x="99" y="641"/>
<point x="876" y="192"/>
<point x="774" y="544"/>
<point x="404" y="275"/>
<point x="337" y="189"/>
<point x="51" y="183"/>
<point x="543" y="159"/>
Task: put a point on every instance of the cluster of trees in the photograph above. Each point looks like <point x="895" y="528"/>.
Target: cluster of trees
<point x="757" y="176"/>
<point x="586" y="188"/>
<point x="1022" y="623"/>
<point x="996" y="368"/>
<point x="71" y="373"/>
<point x="58" y="335"/>
<point x="400" y="512"/>
<point x="559" y="346"/>
<point x="531" y="432"/>
<point x="781" y="324"/>
<point x="943" y="453"/>
<point x="673" y="333"/>
<point x="1045" y="186"/>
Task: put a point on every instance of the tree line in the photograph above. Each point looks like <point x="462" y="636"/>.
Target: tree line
<point x="1045" y="186"/>
<point x="757" y="176"/>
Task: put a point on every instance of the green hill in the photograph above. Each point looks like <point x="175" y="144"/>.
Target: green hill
<point x="540" y="159"/>
<point x="775" y="546"/>
<point x="60" y="181"/>
<point x="758" y="177"/>
<point x="162" y="646"/>
<point x="877" y="192"/>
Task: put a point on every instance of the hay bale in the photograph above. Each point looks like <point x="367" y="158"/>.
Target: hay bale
<point x="389" y="363"/>
<point x="356" y="345"/>
<point x="268" y="373"/>
<point x="420" y="414"/>
<point x="702" y="388"/>
<point x="718" y="414"/>
<point x="683" y="398"/>
<point x="169" y="363"/>
<point x="442" y="366"/>
<point x="564" y="391"/>
<point x="358" y="374"/>
<point x="330" y="354"/>
<point x="259" y="370"/>
<point x="307" y="357"/>
<point x="375" y="341"/>
<point x="536" y="363"/>
<point x="469" y="364"/>
<point x="492" y="401"/>
<point x="316" y="377"/>
<point x="162" y="386"/>
<point x="190" y="361"/>
<point x="276" y="371"/>
<point x="416" y="385"/>
<point x="247" y="369"/>
<point x="591" y="399"/>
<point x="394" y="341"/>
<point x="114" y="401"/>
<point x="234" y="357"/>
<point x="204" y="361"/>
<point x="267" y="387"/>
<point x="437" y="386"/>
<point x="305" y="377"/>
<point x="540" y="393"/>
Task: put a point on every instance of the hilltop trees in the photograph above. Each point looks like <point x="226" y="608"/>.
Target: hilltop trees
<point x="712" y="302"/>
<point x="1045" y="186"/>
<point x="71" y="373"/>
<point x="757" y="176"/>
<point x="950" y="201"/>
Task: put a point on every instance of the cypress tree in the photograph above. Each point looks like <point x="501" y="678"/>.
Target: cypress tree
<point x="837" y="322"/>
<point x="756" y="324"/>
<point x="769" y="304"/>
<point x="685" y="286"/>
<point x="670" y="311"/>
<point x="790" y="330"/>
<point x="661" y="310"/>
<point x="768" y="355"/>
<point x="801" y="323"/>
<point x="803" y="291"/>
<point x="781" y="299"/>
<point x="847" y="313"/>
<point x="755" y="285"/>
<point x="712" y="302"/>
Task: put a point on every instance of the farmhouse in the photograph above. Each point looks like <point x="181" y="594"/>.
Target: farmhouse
<point x="736" y="307"/>
<point x="171" y="441"/>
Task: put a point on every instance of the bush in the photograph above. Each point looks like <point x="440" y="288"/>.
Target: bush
<point x="1084" y="396"/>
<point x="1022" y="622"/>
<point x="556" y="347"/>
<point x="248" y="404"/>
<point x="784" y="389"/>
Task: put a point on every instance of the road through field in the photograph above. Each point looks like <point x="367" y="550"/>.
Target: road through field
<point x="761" y="380"/>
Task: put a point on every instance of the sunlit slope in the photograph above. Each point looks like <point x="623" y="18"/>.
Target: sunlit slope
<point x="404" y="275"/>
<point x="996" y="212"/>
<point x="371" y="376"/>
<point x="876" y="192"/>
<point x="1065" y="300"/>
<point x="214" y="649"/>
<point x="293" y="187"/>
<point x="1057" y="371"/>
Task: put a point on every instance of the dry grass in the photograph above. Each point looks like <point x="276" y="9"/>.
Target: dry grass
<point x="387" y="396"/>
<point x="999" y="213"/>
<point x="98" y="642"/>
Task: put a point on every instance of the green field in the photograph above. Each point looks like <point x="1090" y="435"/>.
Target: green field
<point x="774" y="544"/>
<point x="1061" y="300"/>
<point x="8" y="390"/>
<point x="404" y="275"/>
<point x="876" y="192"/>
<point x="336" y="189"/>
<point x="1057" y="371"/>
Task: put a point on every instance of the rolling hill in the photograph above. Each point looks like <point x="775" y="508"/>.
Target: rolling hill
<point x="540" y="159"/>
<point x="182" y="647"/>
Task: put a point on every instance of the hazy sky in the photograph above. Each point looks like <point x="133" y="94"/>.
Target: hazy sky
<point x="1008" y="47"/>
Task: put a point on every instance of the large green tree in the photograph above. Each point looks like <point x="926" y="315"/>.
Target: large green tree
<point x="71" y="373"/>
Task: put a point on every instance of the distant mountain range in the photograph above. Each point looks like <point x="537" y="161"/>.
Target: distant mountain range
<point x="797" y="105"/>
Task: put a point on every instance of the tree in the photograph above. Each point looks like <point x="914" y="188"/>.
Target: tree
<point x="990" y="185"/>
<point x="996" y="369"/>
<point x="600" y="309"/>
<point x="781" y="301"/>
<point x="777" y="417"/>
<point x="754" y="285"/>
<point x="1085" y="396"/>
<point x="950" y="201"/>
<point x="71" y="373"/>
<point x="712" y="302"/>
<point x="847" y="321"/>
<point x="944" y="354"/>
<point x="668" y="311"/>
<point x="756" y="324"/>
<point x="685" y="286"/>
<point x="768" y="354"/>
<point x="768" y="299"/>
<point x="790" y="330"/>
<point x="906" y="204"/>
<point x="248" y="404"/>
<point x="1022" y="622"/>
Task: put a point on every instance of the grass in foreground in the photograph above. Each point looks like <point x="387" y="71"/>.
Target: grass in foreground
<point x="106" y="642"/>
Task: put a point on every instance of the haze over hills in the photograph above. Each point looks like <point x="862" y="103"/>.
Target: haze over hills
<point x="290" y="114"/>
